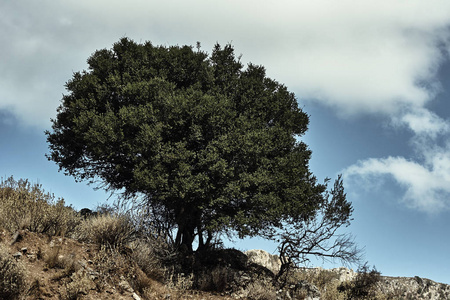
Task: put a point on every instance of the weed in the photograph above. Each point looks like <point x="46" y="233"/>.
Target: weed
<point x="12" y="276"/>
<point x="107" y="230"/>
<point x="27" y="206"/>
<point x="80" y="285"/>
<point x="145" y="256"/>
<point x="259" y="290"/>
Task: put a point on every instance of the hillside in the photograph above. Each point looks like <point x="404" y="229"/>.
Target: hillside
<point x="50" y="251"/>
<point x="63" y="268"/>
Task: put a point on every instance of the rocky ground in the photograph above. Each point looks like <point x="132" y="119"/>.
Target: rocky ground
<point x="63" y="268"/>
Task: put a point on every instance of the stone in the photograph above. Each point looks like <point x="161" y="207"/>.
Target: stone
<point x="265" y="259"/>
<point x="17" y="237"/>
<point x="136" y="296"/>
<point x="125" y="286"/>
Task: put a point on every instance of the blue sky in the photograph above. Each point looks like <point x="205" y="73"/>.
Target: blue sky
<point x="374" y="76"/>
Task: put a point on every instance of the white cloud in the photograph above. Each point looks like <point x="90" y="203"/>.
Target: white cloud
<point x="426" y="185"/>
<point x="372" y="56"/>
<point x="357" y="56"/>
<point x="422" y="122"/>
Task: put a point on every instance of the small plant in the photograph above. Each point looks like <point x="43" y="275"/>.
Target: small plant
<point x="51" y="258"/>
<point x="12" y="276"/>
<point x="27" y="206"/>
<point x="112" y="231"/>
<point x="80" y="284"/>
<point x="261" y="291"/>
<point x="145" y="256"/>
<point x="139" y="280"/>
<point x="218" y="279"/>
<point x="363" y="286"/>
<point x="180" y="281"/>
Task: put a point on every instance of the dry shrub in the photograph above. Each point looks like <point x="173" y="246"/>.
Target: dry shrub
<point x="80" y="284"/>
<point x="259" y="290"/>
<point x="180" y="281"/>
<point x="51" y="258"/>
<point x="36" y="289"/>
<point x="112" y="231"/>
<point x="27" y="206"/>
<point x="218" y="279"/>
<point x="110" y="263"/>
<point x="12" y="276"/>
<point x="364" y="285"/>
<point x="146" y="256"/>
<point x="139" y="281"/>
<point x="331" y="292"/>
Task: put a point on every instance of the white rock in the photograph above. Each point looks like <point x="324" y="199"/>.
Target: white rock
<point x="265" y="259"/>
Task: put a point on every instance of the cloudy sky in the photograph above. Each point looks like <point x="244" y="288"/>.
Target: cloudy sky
<point x="374" y="76"/>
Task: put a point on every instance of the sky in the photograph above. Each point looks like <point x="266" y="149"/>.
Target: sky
<point x="374" y="77"/>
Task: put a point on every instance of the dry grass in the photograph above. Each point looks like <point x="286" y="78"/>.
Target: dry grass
<point x="125" y="262"/>
<point x="27" y="206"/>
<point x="259" y="290"/>
<point x="218" y="279"/>
<point x="112" y="231"/>
<point x="320" y="278"/>
<point x="145" y="256"/>
<point x="80" y="284"/>
<point x="12" y="276"/>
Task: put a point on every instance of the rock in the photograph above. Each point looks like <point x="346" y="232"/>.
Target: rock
<point x="136" y="296"/>
<point x="17" y="255"/>
<point x="265" y="259"/>
<point x="312" y="292"/>
<point x="344" y="274"/>
<point x="17" y="237"/>
<point x="125" y="286"/>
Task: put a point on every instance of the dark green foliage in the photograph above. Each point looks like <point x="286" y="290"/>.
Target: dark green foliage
<point x="208" y="145"/>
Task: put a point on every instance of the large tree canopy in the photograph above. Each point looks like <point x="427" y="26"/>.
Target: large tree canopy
<point x="210" y="145"/>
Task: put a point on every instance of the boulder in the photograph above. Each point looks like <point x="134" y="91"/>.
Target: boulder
<point x="265" y="259"/>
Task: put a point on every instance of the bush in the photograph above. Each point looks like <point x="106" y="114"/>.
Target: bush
<point x="106" y="230"/>
<point x="80" y="284"/>
<point x="363" y="286"/>
<point x="148" y="258"/>
<point x="12" y="276"/>
<point x="219" y="279"/>
<point x="261" y="291"/>
<point x="27" y="206"/>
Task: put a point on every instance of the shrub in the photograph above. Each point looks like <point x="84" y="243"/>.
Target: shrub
<point x="52" y="259"/>
<point x="12" y="276"/>
<point x="80" y="284"/>
<point x="107" y="230"/>
<point x="261" y="291"/>
<point x="180" y="281"/>
<point x="320" y="278"/>
<point x="217" y="279"/>
<point x="27" y="206"/>
<point x="363" y="286"/>
<point x="147" y="257"/>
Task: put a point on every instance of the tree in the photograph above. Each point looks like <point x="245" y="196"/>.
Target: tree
<point x="208" y="146"/>
<point x="318" y="235"/>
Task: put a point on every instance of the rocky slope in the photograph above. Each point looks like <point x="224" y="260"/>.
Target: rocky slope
<point x="63" y="268"/>
<point x="386" y="287"/>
